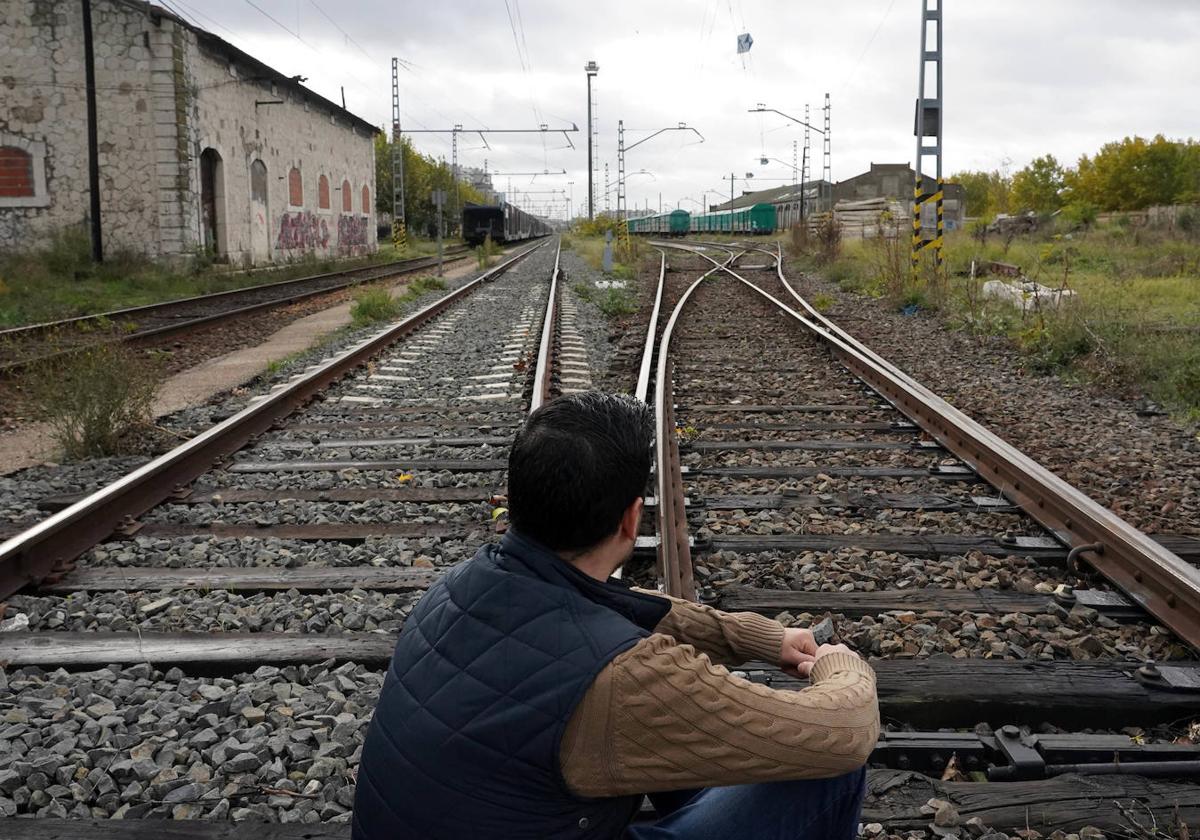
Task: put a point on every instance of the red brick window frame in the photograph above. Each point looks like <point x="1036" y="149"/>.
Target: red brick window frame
<point x="22" y="172"/>
<point x="366" y="199"/>
<point x="295" y="188"/>
<point x="16" y="173"/>
<point x="323" y="193"/>
<point x="347" y="198"/>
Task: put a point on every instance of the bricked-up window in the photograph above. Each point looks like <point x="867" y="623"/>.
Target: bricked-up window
<point x="366" y="199"/>
<point x="323" y="193"/>
<point x="347" y="198"/>
<point x="16" y="173"/>
<point x="295" y="188"/>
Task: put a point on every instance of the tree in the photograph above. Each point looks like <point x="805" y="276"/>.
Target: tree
<point x="986" y="193"/>
<point x="422" y="175"/>
<point x="1039" y="186"/>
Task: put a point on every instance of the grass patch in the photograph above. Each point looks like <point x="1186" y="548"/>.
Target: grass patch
<point x="94" y="397"/>
<point x="373" y="305"/>
<point x="485" y="252"/>
<point x="1135" y="321"/>
<point x="59" y="280"/>
<point x="822" y="302"/>
<point x="614" y="301"/>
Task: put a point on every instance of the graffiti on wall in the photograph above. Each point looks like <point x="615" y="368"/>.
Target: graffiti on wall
<point x="352" y="234"/>
<point x="302" y="231"/>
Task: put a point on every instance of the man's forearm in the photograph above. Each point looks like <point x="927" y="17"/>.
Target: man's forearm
<point x="727" y="638"/>
<point x="660" y="717"/>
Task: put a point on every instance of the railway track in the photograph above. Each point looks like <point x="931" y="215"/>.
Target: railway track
<point x="22" y="346"/>
<point x="207" y="635"/>
<point x="800" y="475"/>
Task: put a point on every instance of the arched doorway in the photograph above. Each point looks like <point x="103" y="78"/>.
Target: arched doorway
<point x="212" y="203"/>
<point x="260" y="228"/>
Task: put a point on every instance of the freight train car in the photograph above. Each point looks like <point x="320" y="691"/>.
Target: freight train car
<point x="502" y="222"/>
<point x="674" y="223"/>
<point x="756" y="219"/>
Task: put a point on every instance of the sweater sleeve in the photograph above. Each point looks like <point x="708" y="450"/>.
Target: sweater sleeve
<point x="727" y="638"/>
<point x="662" y="717"/>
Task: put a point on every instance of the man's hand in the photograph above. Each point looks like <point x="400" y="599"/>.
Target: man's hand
<point x="799" y="651"/>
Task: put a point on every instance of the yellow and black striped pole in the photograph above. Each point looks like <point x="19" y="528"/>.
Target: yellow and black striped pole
<point x="941" y="224"/>
<point x="399" y="235"/>
<point x="917" y="240"/>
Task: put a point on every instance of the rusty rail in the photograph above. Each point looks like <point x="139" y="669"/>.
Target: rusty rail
<point x="642" y="390"/>
<point x="674" y="549"/>
<point x="52" y="545"/>
<point x="1152" y="576"/>
<point x="545" y="377"/>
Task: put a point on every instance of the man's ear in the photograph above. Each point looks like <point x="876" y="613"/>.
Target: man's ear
<point x="631" y="519"/>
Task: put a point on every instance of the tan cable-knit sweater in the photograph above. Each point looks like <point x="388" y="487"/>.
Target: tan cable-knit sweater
<point x="667" y="715"/>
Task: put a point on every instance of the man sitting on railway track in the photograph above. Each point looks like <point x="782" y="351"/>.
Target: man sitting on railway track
<point x="531" y="695"/>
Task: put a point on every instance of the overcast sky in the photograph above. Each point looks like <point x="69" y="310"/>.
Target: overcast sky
<point x="1022" y="79"/>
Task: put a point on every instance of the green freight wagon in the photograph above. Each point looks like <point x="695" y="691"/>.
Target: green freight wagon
<point x="675" y="223"/>
<point x="756" y="219"/>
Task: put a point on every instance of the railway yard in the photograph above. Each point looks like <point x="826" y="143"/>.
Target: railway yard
<point x="210" y="629"/>
<point x="926" y="419"/>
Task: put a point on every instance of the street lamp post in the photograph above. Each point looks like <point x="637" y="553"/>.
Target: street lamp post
<point x="732" y="179"/>
<point x="591" y="68"/>
<point x="622" y="149"/>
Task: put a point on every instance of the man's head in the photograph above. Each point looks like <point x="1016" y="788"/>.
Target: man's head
<point x="577" y="468"/>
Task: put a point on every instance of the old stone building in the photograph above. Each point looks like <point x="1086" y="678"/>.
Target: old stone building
<point x="199" y="146"/>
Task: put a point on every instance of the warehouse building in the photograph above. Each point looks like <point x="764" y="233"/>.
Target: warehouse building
<point x="891" y="182"/>
<point x="895" y="181"/>
<point x="198" y="146"/>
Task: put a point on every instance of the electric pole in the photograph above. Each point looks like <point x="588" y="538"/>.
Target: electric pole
<point x="929" y="124"/>
<point x="828" y="151"/>
<point x="399" y="237"/>
<point x="591" y="68"/>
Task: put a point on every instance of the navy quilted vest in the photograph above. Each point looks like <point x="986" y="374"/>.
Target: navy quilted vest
<point x="487" y="672"/>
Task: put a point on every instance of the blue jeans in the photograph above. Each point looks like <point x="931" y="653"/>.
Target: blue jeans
<point x="816" y="809"/>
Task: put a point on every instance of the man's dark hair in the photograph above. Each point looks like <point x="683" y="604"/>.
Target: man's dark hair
<point x="576" y="466"/>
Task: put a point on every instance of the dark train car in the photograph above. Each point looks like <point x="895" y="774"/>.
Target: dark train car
<point x="502" y="222"/>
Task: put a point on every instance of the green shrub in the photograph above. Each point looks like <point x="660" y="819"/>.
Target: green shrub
<point x="1080" y="214"/>
<point x="614" y="301"/>
<point x="486" y="252"/>
<point x="822" y="302"/>
<point x="373" y="305"/>
<point x="94" y="397"/>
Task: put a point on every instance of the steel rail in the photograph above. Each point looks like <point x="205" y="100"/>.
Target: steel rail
<point x="674" y="552"/>
<point x="399" y="266"/>
<point x="50" y="546"/>
<point x="641" y="391"/>
<point x="1155" y="578"/>
<point x="543" y="379"/>
<point x="189" y="324"/>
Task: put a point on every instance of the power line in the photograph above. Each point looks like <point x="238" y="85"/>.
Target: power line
<point x="275" y="21"/>
<point x="849" y="78"/>
<point x="343" y="31"/>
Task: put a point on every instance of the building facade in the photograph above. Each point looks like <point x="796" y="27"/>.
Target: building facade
<point x="894" y="181"/>
<point x="199" y="146"/>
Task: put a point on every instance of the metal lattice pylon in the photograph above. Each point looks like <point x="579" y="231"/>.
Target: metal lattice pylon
<point x="399" y="234"/>
<point x="929" y="124"/>
<point x="827" y="169"/>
